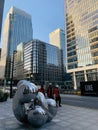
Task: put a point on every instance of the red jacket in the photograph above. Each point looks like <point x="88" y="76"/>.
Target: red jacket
<point x="42" y="90"/>
<point x="56" y="92"/>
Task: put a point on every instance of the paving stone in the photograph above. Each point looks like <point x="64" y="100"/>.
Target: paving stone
<point x="67" y="118"/>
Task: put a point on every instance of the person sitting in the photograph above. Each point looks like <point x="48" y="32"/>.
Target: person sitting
<point x="56" y="95"/>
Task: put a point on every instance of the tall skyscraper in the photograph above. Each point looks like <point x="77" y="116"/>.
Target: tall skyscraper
<point x="17" y="28"/>
<point x="57" y="38"/>
<point x="81" y="29"/>
<point x="1" y="15"/>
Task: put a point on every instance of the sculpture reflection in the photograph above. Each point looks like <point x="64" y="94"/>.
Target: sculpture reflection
<point x="31" y="106"/>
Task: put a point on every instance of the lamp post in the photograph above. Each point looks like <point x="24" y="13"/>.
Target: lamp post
<point x="11" y="89"/>
<point x="11" y="18"/>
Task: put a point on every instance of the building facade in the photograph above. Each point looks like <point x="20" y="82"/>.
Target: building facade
<point x="42" y="62"/>
<point x="17" y="28"/>
<point x="19" y="68"/>
<point x="1" y="15"/>
<point x="81" y="31"/>
<point x="57" y="38"/>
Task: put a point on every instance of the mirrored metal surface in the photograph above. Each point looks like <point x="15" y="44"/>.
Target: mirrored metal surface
<point x="31" y="106"/>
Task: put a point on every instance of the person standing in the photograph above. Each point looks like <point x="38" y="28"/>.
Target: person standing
<point x="41" y="89"/>
<point x="50" y="91"/>
<point x="56" y="95"/>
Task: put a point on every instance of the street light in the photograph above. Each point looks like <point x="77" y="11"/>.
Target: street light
<point x="11" y="90"/>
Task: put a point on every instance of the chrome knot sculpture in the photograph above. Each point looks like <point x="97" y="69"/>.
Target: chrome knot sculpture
<point x="31" y="106"/>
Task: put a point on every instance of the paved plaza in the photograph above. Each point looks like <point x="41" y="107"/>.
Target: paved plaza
<point x="67" y="118"/>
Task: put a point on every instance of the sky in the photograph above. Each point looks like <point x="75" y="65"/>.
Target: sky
<point x="47" y="15"/>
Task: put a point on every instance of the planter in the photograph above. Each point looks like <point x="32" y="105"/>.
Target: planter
<point x="3" y="96"/>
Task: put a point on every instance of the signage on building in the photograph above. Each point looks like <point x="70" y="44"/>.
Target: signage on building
<point x="89" y="88"/>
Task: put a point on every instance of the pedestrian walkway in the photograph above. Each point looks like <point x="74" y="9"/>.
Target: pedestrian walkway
<point x="67" y="118"/>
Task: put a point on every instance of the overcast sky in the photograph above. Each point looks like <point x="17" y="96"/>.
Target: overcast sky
<point x="47" y="15"/>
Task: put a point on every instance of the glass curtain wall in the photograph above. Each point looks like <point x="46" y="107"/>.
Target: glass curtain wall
<point x="42" y="62"/>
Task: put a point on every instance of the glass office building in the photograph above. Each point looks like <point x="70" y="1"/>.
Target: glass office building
<point x="1" y="15"/>
<point x="17" y="28"/>
<point x="81" y="31"/>
<point x="57" y="38"/>
<point x="19" y="62"/>
<point x="42" y="62"/>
